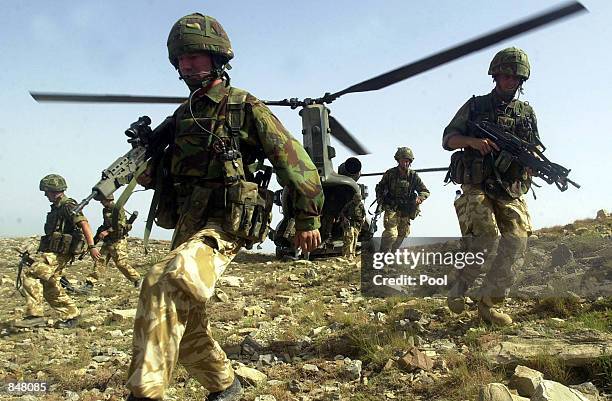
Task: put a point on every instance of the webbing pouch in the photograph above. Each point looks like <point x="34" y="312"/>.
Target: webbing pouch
<point x="248" y="211"/>
<point x="55" y="242"/>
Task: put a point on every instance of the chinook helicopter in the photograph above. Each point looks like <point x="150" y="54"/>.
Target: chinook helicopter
<point x="318" y="126"/>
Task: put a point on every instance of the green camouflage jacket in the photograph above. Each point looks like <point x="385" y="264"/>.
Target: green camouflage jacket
<point x="60" y="218"/>
<point x="115" y="233"/>
<point x="516" y="117"/>
<point x="354" y="211"/>
<point x="262" y="136"/>
<point x="396" y="188"/>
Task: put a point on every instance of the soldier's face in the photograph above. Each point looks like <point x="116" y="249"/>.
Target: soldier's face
<point x="507" y="83"/>
<point x="404" y="163"/>
<point x="52" y="195"/>
<point x="195" y="65"/>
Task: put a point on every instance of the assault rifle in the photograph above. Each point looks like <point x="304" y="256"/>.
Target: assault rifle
<point x="125" y="168"/>
<point x="373" y="223"/>
<point x="25" y="261"/>
<point x="524" y="153"/>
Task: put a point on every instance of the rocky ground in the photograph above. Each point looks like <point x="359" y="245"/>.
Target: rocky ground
<point x="302" y="331"/>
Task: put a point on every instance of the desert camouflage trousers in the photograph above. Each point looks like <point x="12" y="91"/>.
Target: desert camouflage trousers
<point x="171" y="323"/>
<point x="349" y="241"/>
<point x="498" y="227"/>
<point x="42" y="280"/>
<point x="117" y="251"/>
<point x="397" y="227"/>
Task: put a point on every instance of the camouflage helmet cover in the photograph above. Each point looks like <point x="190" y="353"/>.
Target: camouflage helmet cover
<point x="196" y="32"/>
<point x="510" y="61"/>
<point x="404" y="153"/>
<point x="53" y="182"/>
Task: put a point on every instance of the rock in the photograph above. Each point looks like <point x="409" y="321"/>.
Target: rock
<point x="310" y="274"/>
<point x="116" y="333"/>
<point x="588" y="389"/>
<point x="275" y="383"/>
<point x="221" y="296"/>
<point x="294" y="386"/>
<point x="561" y="255"/>
<point x="254" y="310"/>
<point x="574" y="351"/>
<point x="415" y="359"/>
<point x="310" y="368"/>
<point x="70" y="396"/>
<point x="231" y="281"/>
<point x="352" y="369"/>
<point x="602" y="214"/>
<point x="101" y="358"/>
<point x="549" y="390"/>
<point x="250" y="376"/>
<point x="581" y="230"/>
<point x="123" y="315"/>
<point x="525" y="380"/>
<point x="413" y="315"/>
<point x="498" y="392"/>
<point x="265" y="397"/>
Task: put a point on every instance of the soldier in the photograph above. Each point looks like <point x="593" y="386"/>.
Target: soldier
<point x="400" y="191"/>
<point x="492" y="200"/>
<point x="217" y="139"/>
<point x="114" y="245"/>
<point x="351" y="219"/>
<point x="66" y="235"/>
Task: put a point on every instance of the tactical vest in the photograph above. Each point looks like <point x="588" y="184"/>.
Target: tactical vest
<point x="400" y="196"/>
<point x="62" y="236"/>
<point x="117" y="233"/>
<point x="210" y="175"/>
<point x="501" y="176"/>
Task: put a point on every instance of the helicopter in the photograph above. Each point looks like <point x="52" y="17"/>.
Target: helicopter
<point x="318" y="126"/>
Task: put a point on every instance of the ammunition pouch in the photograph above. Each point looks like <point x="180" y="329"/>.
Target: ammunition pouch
<point x="467" y="167"/>
<point x="408" y="207"/>
<point x="166" y="213"/>
<point x="62" y="244"/>
<point x="248" y="211"/>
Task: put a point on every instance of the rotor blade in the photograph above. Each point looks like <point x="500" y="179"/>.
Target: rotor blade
<point x="82" y="98"/>
<point x="461" y="50"/>
<point x="420" y="170"/>
<point x="341" y="134"/>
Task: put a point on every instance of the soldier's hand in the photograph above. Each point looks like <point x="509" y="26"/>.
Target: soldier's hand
<point x="103" y="234"/>
<point x="419" y="200"/>
<point x="95" y="253"/>
<point x="484" y="146"/>
<point x="307" y="241"/>
<point x="145" y="178"/>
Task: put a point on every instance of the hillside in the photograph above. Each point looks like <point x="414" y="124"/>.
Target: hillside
<point x="302" y="331"/>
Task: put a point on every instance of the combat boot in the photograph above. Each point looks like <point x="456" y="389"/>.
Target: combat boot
<point x="133" y="398"/>
<point x="66" y="324"/>
<point x="488" y="313"/>
<point x="456" y="299"/>
<point x="232" y="393"/>
<point x="30" y="322"/>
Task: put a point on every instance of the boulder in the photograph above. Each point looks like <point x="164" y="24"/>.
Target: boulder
<point x="525" y="380"/>
<point x="549" y="390"/>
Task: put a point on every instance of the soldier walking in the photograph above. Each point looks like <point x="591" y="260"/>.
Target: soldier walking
<point x="217" y="140"/>
<point x="400" y="192"/>
<point x="66" y="236"/>
<point x="114" y="245"/>
<point x="493" y="186"/>
<point x="351" y="219"/>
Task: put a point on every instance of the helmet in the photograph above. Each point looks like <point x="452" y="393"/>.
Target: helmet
<point x="53" y="182"/>
<point x="511" y="61"/>
<point x="195" y="33"/>
<point x="404" y="153"/>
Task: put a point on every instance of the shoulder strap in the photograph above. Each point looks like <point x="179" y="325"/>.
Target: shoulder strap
<point x="235" y="110"/>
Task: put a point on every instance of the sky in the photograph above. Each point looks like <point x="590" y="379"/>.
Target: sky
<point x="298" y="49"/>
